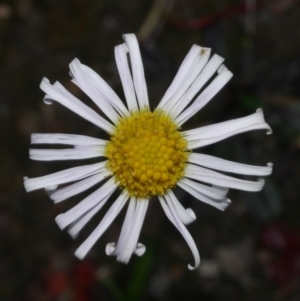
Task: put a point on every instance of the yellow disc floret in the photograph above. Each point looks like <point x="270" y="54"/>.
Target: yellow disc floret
<point x="147" y="153"/>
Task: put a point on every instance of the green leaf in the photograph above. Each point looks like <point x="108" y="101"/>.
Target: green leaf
<point x="140" y="274"/>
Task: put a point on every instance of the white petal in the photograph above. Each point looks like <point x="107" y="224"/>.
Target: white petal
<point x="50" y="188"/>
<point x="65" y="154"/>
<point x="58" y="195"/>
<point x="132" y="239"/>
<point x="187" y="216"/>
<point x="216" y="132"/>
<point x="229" y="166"/>
<point x="99" y="196"/>
<point x="183" y="71"/>
<point x="208" y="93"/>
<point x="101" y="228"/>
<point x="137" y="70"/>
<point x="171" y="213"/>
<point x="140" y="249"/>
<point x="219" y="204"/>
<point x="97" y="81"/>
<point x="208" y="176"/>
<point x="80" y="79"/>
<point x="216" y="193"/>
<point x="200" y="81"/>
<point x="58" y="93"/>
<point x="217" y="129"/>
<point x="126" y="228"/>
<point x="67" y="139"/>
<point x="64" y="176"/>
<point x="79" y="223"/>
<point x="171" y="107"/>
<point x="109" y="249"/>
<point x="126" y="79"/>
<point x="203" y="76"/>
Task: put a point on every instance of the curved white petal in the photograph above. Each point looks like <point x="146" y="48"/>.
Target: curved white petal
<point x="137" y="70"/>
<point x="64" y="176"/>
<point x="58" y="195"/>
<point x="99" y="196"/>
<point x="132" y="238"/>
<point x="126" y="78"/>
<point x="126" y="228"/>
<point x="203" y="76"/>
<point x="80" y="79"/>
<point x="208" y="93"/>
<point x="58" y="93"/>
<point x="101" y="228"/>
<point x="194" y="73"/>
<point x="65" y="154"/>
<point x="140" y="249"/>
<point x="229" y="166"/>
<point x="68" y="139"/>
<point x="183" y="71"/>
<point x="187" y="216"/>
<point x="216" y="193"/>
<point x="219" y="204"/>
<point x="97" y="81"/>
<point x="76" y="226"/>
<point x="110" y="248"/>
<point x="208" y="176"/>
<point x="172" y="215"/>
<point x="216" y="132"/>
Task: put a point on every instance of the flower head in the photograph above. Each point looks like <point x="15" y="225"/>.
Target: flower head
<point x="147" y="154"/>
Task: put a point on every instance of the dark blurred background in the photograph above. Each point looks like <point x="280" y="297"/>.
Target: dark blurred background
<point x="250" y="252"/>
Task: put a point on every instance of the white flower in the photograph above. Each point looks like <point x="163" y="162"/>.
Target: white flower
<point x="147" y="155"/>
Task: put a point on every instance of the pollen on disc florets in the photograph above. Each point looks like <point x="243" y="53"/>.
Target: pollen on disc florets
<point x="147" y="153"/>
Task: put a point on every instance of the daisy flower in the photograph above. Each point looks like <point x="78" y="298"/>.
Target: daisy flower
<point x="147" y="154"/>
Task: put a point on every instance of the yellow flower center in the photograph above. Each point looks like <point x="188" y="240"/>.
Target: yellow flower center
<point x="147" y="153"/>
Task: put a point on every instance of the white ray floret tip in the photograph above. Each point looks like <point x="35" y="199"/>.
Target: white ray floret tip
<point x="109" y="249"/>
<point x="60" y="221"/>
<point x="140" y="249"/>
